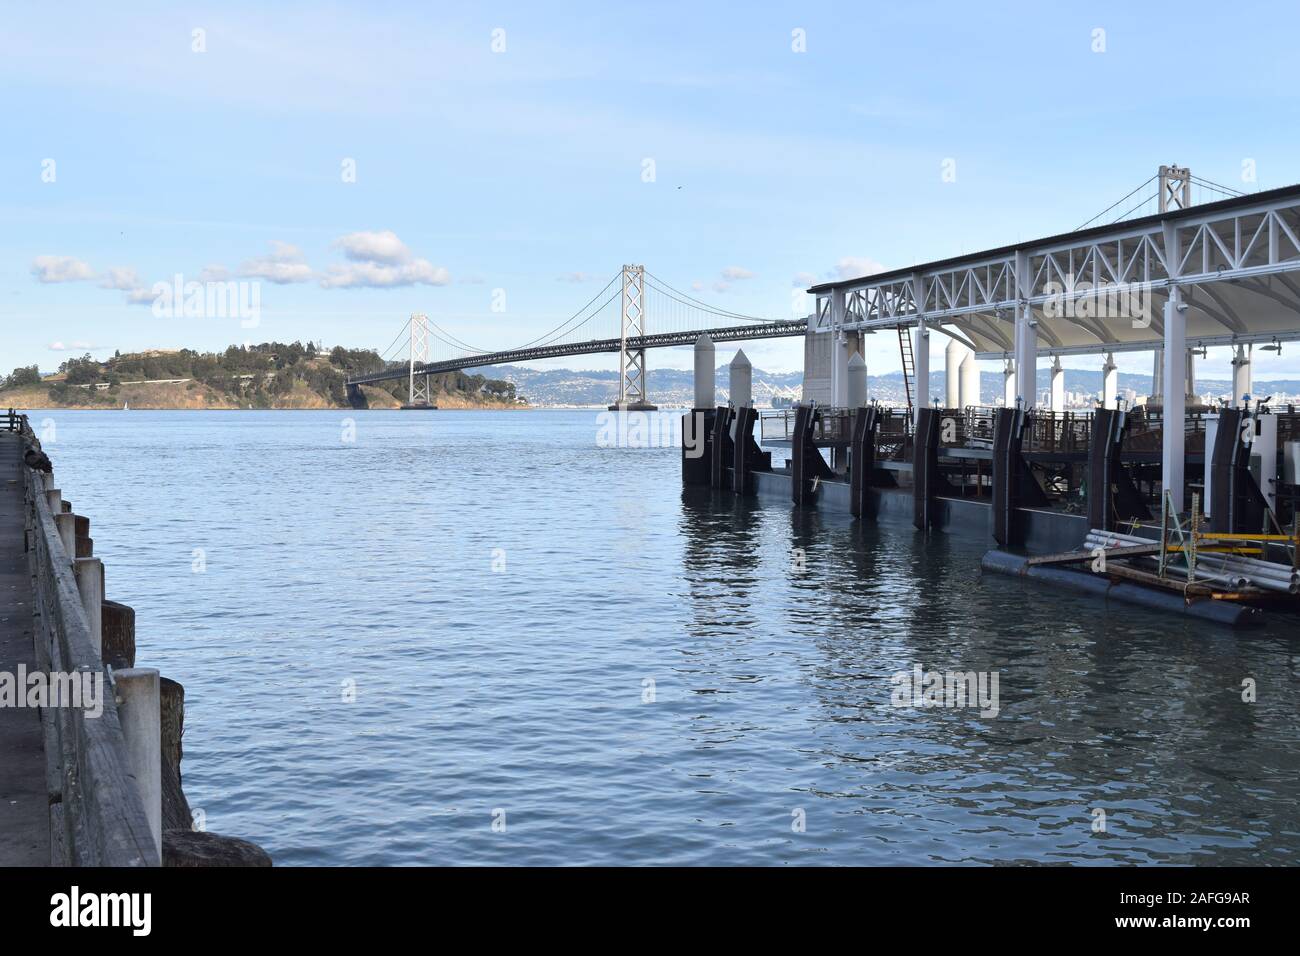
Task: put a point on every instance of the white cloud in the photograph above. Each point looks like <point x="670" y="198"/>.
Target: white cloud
<point x="697" y="286"/>
<point x="853" y="267"/>
<point x="721" y="286"/>
<point x="736" y="273"/>
<point x="575" y="277"/>
<point x="122" y="278"/>
<point x="58" y="347"/>
<point x="61" y="269"/>
<point x="140" y="296"/>
<point x="214" y="273"/>
<point x="284" y="264"/>
<point x="380" y="260"/>
<point x="381" y="276"/>
<point x="803" y="280"/>
<point x="382" y="247"/>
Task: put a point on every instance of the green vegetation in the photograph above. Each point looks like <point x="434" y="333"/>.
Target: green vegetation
<point x="269" y="375"/>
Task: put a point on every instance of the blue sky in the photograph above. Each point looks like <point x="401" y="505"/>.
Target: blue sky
<point x="522" y="170"/>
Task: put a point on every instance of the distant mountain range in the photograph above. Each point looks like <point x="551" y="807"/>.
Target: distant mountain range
<point x="552" y="387"/>
<point x="667" y="386"/>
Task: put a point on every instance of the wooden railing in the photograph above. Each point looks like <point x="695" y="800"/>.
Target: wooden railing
<point x="97" y="814"/>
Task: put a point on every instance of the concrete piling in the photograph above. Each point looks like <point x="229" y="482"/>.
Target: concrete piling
<point x="968" y="381"/>
<point x="857" y="381"/>
<point x="67" y="525"/>
<point x="741" y="383"/>
<point x="139" y="712"/>
<point x="89" y="573"/>
<point x="1110" y="383"/>
<point x="705" y="374"/>
<point x="1241" y="384"/>
<point x="952" y="356"/>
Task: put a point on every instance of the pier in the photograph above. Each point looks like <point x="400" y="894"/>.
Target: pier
<point x="89" y="742"/>
<point x="24" y="806"/>
<point x="1161" y="487"/>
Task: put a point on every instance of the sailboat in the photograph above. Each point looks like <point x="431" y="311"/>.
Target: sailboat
<point x="126" y="406"/>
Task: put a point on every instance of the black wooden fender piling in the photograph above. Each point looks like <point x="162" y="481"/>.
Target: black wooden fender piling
<point x="862" y="459"/>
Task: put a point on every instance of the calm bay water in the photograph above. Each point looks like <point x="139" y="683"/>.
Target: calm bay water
<point x="497" y="593"/>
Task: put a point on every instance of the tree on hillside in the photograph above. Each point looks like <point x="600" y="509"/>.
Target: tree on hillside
<point x="24" y="375"/>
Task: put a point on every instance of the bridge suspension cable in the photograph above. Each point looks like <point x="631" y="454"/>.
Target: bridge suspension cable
<point x="665" y="314"/>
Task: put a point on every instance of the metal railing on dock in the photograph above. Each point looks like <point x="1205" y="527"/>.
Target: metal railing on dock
<point x="835" y="426"/>
<point x="98" y="816"/>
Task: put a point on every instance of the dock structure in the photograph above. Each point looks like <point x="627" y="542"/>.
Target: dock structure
<point x="89" y="742"/>
<point x="24" y="803"/>
<point x="98" y="773"/>
<point x="1038" y="479"/>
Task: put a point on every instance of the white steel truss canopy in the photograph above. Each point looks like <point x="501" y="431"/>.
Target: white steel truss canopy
<point x="1103" y="289"/>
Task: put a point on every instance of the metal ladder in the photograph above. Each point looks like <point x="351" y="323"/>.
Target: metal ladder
<point x="909" y="365"/>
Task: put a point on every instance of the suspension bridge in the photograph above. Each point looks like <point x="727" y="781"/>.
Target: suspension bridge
<point x="634" y="312"/>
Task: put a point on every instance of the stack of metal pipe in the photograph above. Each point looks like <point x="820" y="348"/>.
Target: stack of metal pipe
<point x="1231" y="569"/>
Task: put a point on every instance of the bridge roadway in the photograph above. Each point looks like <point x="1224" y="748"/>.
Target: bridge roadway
<point x="737" y="333"/>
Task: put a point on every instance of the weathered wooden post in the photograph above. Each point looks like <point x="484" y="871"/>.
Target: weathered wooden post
<point x="176" y="813"/>
<point x="85" y="544"/>
<point x="138" y="711"/>
<point x="90" y="584"/>
<point x="117" y="635"/>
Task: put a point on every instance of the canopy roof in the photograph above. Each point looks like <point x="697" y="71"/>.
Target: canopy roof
<point x="1236" y="263"/>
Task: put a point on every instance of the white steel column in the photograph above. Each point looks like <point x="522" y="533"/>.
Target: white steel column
<point x="1058" y="385"/>
<point x="1110" y="383"/>
<point x="1157" y="376"/>
<point x="1241" y="384"/>
<point x="952" y="356"/>
<point x="1189" y="374"/>
<point x="1009" y="383"/>
<point x="1026" y="337"/>
<point x="839" y="351"/>
<point x="921" y="349"/>
<point x="840" y="371"/>
<point x="1175" y="397"/>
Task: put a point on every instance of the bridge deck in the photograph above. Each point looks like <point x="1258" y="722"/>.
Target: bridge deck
<point x="736" y="333"/>
<point x="24" y="804"/>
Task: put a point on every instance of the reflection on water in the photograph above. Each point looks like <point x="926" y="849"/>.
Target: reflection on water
<point x="636" y="672"/>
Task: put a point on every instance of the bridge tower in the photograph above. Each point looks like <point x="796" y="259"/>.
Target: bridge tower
<point x="418" y="383"/>
<point x="1175" y="188"/>
<point x="631" y="362"/>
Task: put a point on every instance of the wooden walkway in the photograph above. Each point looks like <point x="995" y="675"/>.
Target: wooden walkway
<point x="24" y="804"/>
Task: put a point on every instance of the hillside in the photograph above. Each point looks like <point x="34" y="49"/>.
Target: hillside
<point x="269" y="375"/>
